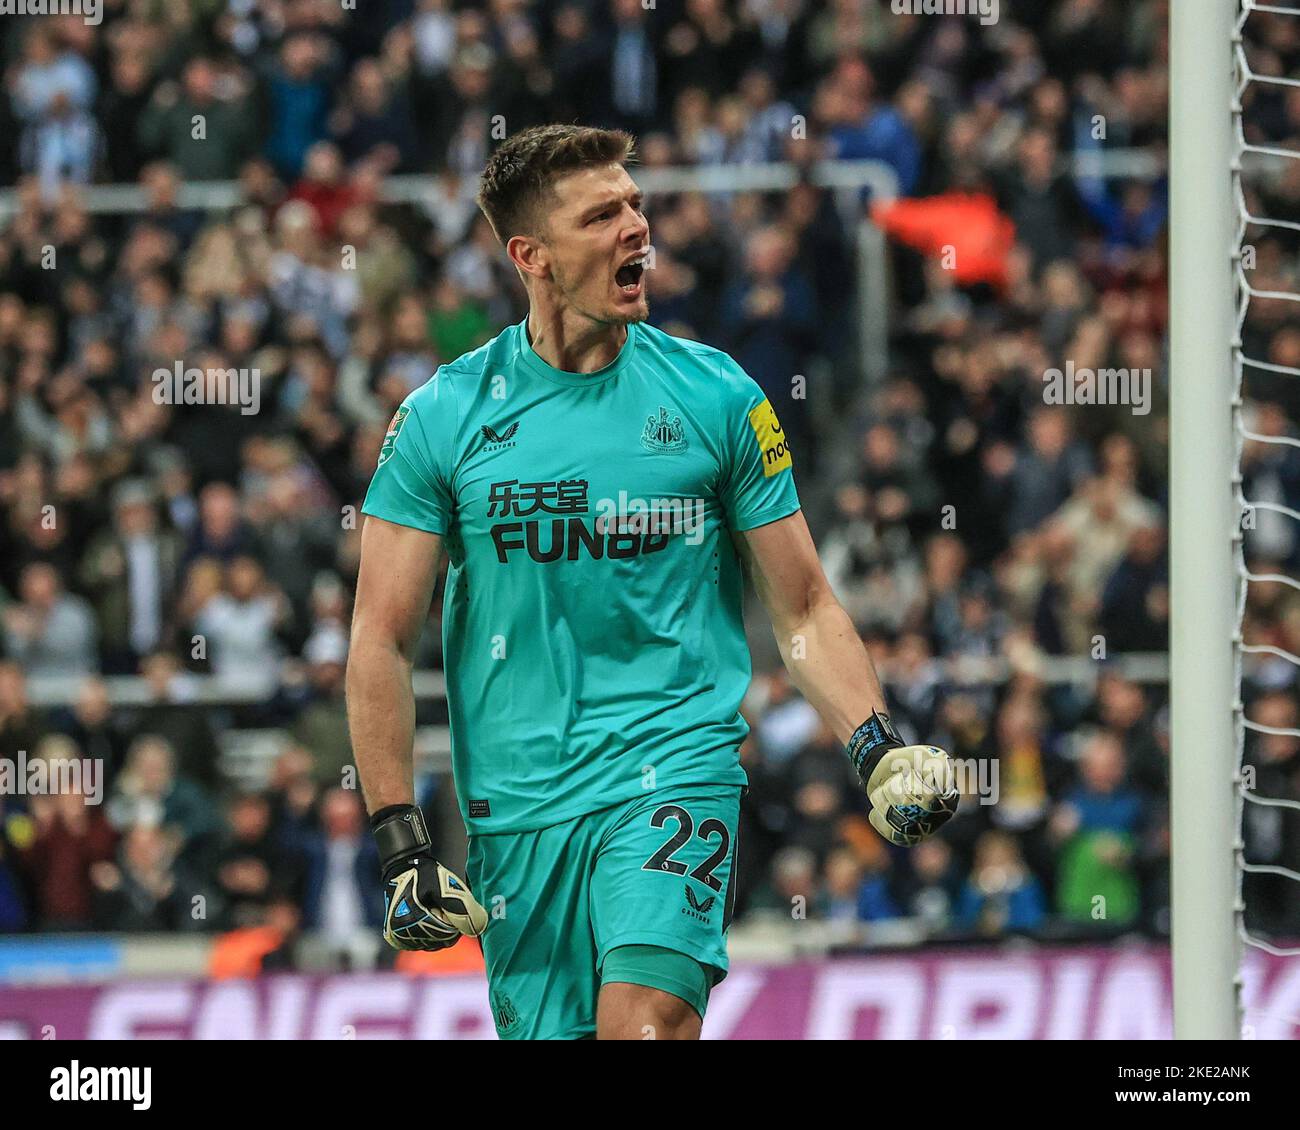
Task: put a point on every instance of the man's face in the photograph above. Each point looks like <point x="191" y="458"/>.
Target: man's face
<point x="40" y="586"/>
<point x="595" y="242"/>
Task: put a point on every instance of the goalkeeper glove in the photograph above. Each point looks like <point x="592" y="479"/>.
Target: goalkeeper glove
<point x="911" y="789"/>
<point x="426" y="907"/>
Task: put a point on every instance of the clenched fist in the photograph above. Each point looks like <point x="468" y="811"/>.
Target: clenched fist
<point x="912" y="789"/>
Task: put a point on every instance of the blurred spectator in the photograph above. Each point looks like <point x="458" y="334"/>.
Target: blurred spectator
<point x="138" y="893"/>
<point x="1023" y="798"/>
<point x="202" y="126"/>
<point x="1131" y="218"/>
<point x="169" y="715"/>
<point x="71" y="837"/>
<point x="1272" y="770"/>
<point x="1042" y="478"/>
<point x="1271" y="475"/>
<point x="295" y="540"/>
<point x="63" y="147"/>
<point x="374" y="123"/>
<point x="322" y="724"/>
<point x="96" y="728"/>
<point x="456" y="125"/>
<point x="1002" y="895"/>
<point x="1099" y="520"/>
<point x="342" y="898"/>
<point x="930" y="893"/>
<point x="50" y="73"/>
<point x="239" y="626"/>
<point x="121" y="105"/>
<point x="904" y="492"/>
<point x="792" y="886"/>
<point x="1098" y="826"/>
<point x="324" y="187"/>
<point x="860" y="128"/>
<point x="16" y="833"/>
<point x="787" y="722"/>
<point x="130" y="571"/>
<point x="161" y="183"/>
<point x="820" y="781"/>
<point x="221" y="531"/>
<point x="767" y="122"/>
<point x="252" y="869"/>
<point x="457" y="324"/>
<point x="633" y="67"/>
<point x="294" y="795"/>
<point x="149" y="791"/>
<point x="1042" y="202"/>
<point x="768" y="321"/>
<point x="1134" y="613"/>
<point x="268" y="944"/>
<point x="1122" y="706"/>
<point x="21" y="725"/>
<point x="297" y="94"/>
<point x="51" y="632"/>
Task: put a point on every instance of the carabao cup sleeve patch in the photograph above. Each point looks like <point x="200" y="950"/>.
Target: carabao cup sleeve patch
<point x="390" y="437"/>
<point x="771" y="439"/>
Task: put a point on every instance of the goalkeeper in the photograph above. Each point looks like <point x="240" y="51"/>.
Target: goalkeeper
<point x="598" y="488"/>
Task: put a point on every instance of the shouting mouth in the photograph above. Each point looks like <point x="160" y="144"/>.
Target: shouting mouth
<point x="629" y="276"/>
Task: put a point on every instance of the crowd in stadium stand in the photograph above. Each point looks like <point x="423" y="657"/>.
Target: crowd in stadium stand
<point x="960" y="514"/>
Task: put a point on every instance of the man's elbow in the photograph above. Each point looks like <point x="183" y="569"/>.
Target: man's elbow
<point x="798" y="616"/>
<point x="374" y="643"/>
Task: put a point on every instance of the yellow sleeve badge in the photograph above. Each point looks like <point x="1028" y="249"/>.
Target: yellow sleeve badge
<point x="771" y="439"/>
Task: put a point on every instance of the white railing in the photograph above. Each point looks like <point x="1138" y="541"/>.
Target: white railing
<point x="430" y="686"/>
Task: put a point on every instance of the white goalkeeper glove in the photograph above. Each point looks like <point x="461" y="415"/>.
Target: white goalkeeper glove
<point x="912" y="789"/>
<point x="426" y="906"/>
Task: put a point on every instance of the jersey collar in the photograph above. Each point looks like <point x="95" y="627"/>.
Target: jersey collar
<point x="534" y="364"/>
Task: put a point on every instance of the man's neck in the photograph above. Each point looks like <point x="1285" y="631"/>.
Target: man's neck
<point x="572" y="344"/>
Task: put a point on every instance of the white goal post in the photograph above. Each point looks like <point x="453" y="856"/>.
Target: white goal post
<point x="1203" y="520"/>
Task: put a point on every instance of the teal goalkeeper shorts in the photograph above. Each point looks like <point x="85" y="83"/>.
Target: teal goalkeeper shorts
<point x="655" y="871"/>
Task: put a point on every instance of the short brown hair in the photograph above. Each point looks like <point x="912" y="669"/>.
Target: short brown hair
<point x="520" y="174"/>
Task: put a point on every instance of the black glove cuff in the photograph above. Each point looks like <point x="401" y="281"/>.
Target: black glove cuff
<point x="400" y="833"/>
<point x="870" y="742"/>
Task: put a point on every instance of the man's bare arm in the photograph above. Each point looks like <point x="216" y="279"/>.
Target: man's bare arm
<point x="399" y="567"/>
<point x="821" y="649"/>
<point x="910" y="789"/>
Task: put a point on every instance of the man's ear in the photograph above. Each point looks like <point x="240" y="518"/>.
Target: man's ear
<point x="529" y="255"/>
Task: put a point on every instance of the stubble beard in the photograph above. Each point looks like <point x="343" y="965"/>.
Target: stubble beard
<point x="640" y="314"/>
<point x="608" y="317"/>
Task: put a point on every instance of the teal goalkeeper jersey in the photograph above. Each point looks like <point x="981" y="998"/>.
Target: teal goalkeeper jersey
<point x="592" y="630"/>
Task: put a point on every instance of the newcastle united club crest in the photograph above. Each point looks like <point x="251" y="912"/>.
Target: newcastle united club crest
<point x="663" y="432"/>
